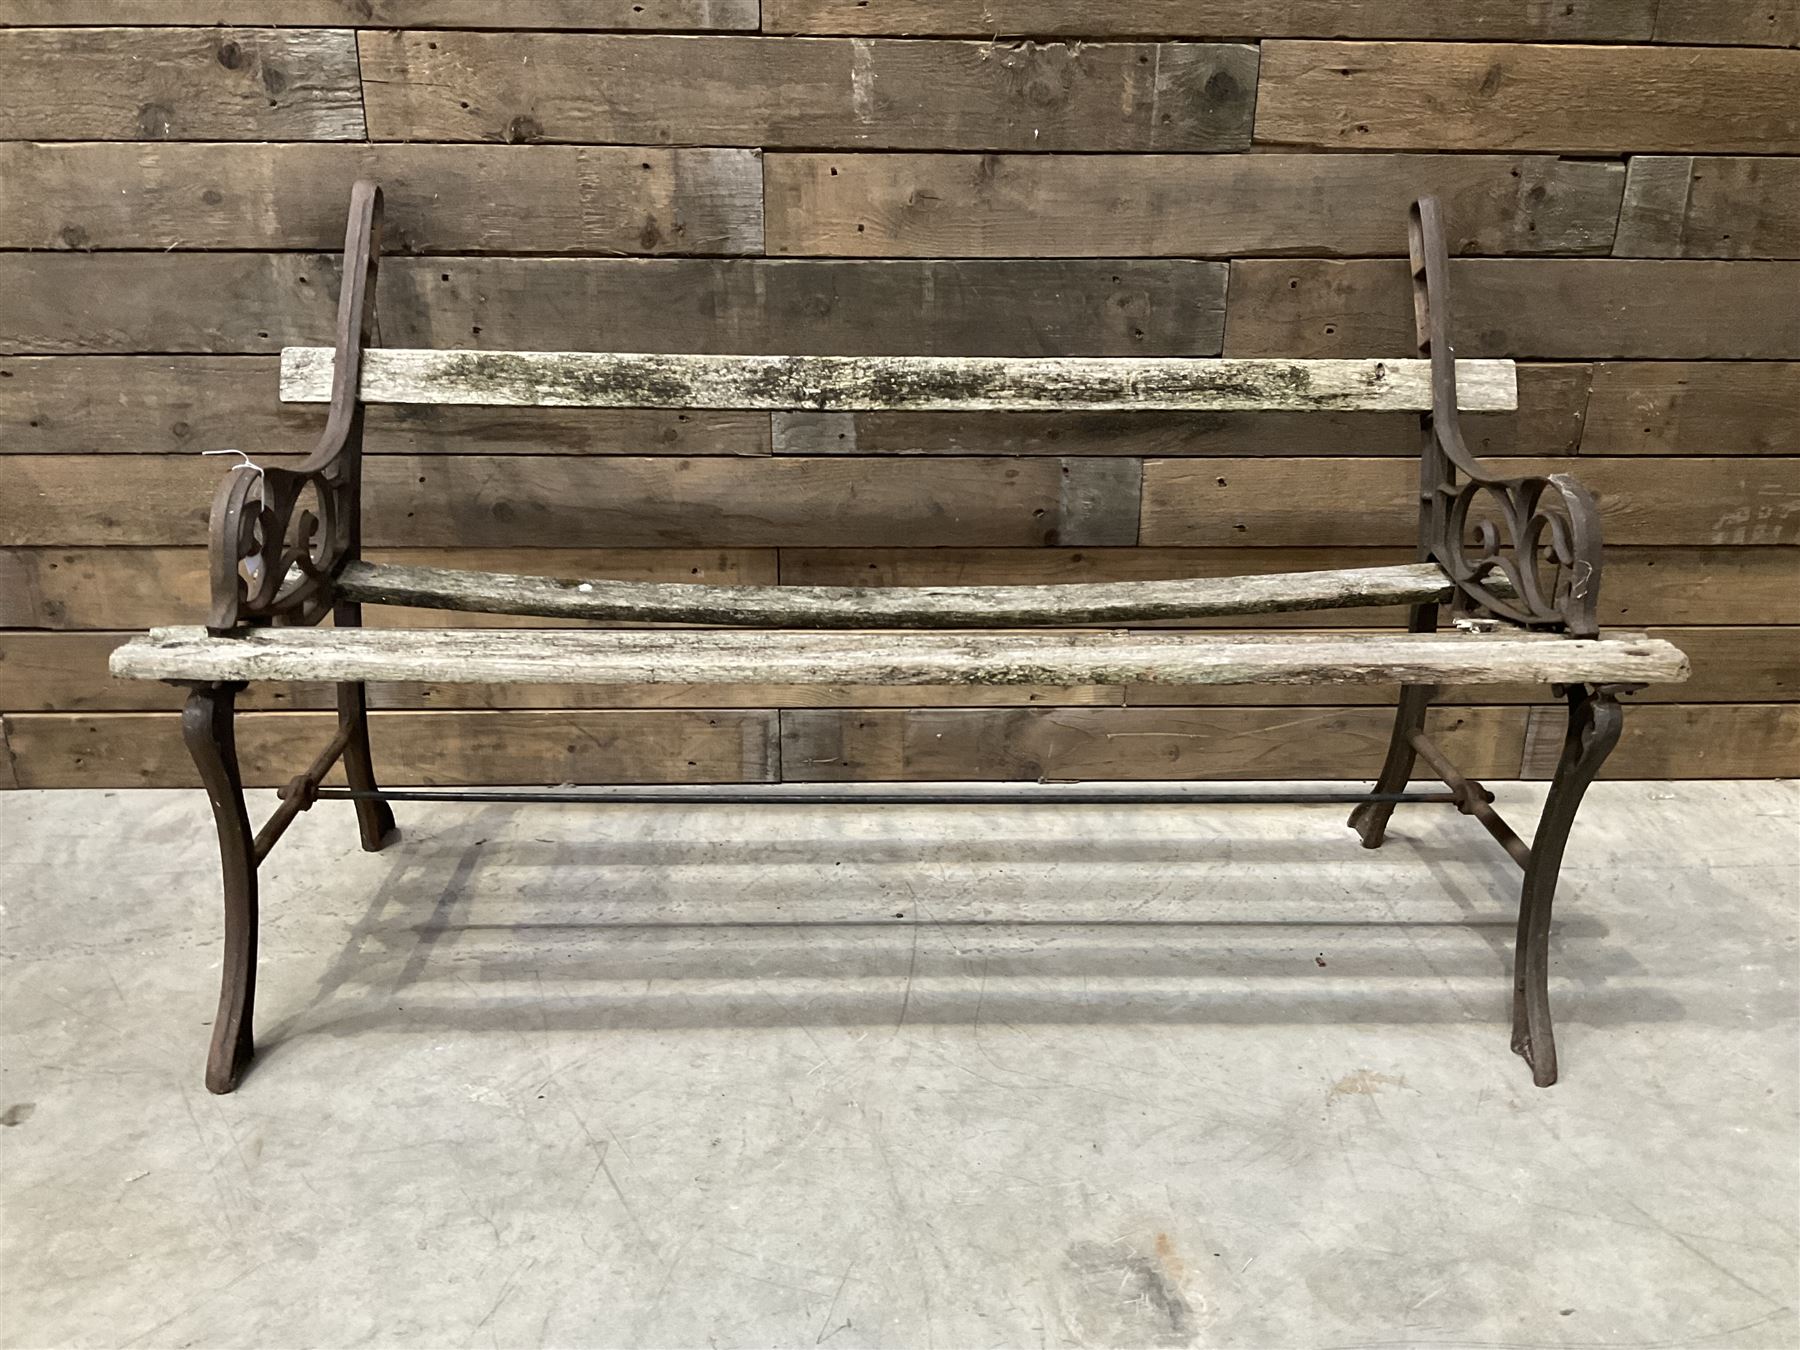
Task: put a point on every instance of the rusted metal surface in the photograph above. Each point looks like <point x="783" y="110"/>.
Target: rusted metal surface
<point x="1472" y="799"/>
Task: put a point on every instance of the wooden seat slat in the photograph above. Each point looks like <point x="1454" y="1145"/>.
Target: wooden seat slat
<point x="895" y="383"/>
<point x="599" y="656"/>
<point x="1123" y="602"/>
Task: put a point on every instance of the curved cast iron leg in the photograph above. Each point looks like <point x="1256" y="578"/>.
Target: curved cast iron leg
<point x="1371" y="818"/>
<point x="206" y="726"/>
<point x="374" y="819"/>
<point x="1595" y="721"/>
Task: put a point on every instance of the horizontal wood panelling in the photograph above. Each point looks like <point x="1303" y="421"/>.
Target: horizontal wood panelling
<point x="1745" y="740"/>
<point x="1693" y="408"/>
<point x="807" y="92"/>
<point x="626" y="501"/>
<point x="179" y="84"/>
<point x="828" y="746"/>
<point x="1525" y="308"/>
<point x="1771" y="23"/>
<point x="1679" y="206"/>
<point x="261" y="302"/>
<point x="651" y="14"/>
<point x="1523" y="20"/>
<point x="439" y="199"/>
<point x="144" y="587"/>
<point x="1548" y="422"/>
<point x="896" y="206"/>
<point x="156" y="405"/>
<point x="434" y="748"/>
<point x="1210" y="503"/>
<point x="1487" y="96"/>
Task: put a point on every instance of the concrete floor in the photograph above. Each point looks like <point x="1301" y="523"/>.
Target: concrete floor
<point x="934" y="1077"/>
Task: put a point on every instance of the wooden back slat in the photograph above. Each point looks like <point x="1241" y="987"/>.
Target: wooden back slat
<point x="894" y="383"/>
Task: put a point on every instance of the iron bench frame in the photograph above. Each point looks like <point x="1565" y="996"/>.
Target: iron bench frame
<point x="281" y="537"/>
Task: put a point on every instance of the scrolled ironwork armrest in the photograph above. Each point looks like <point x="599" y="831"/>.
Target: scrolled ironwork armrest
<point x="279" y="536"/>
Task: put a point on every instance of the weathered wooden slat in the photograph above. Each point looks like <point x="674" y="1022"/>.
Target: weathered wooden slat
<point x="1694" y="408"/>
<point x="1682" y="206"/>
<point x="1769" y="23"/>
<point x="889" y="607"/>
<point x="1744" y="740"/>
<point x="658" y="15"/>
<point x="158" y="405"/>
<point x="1497" y="20"/>
<point x="924" y="744"/>
<point x="1529" y="309"/>
<point x="807" y="92"/>
<point x="586" y="656"/>
<point x="896" y="206"/>
<point x="429" y="748"/>
<point x="1552" y="400"/>
<point x="439" y="198"/>
<point x="180" y="84"/>
<point x="572" y="501"/>
<point x="1375" y="501"/>
<point x="1485" y="96"/>
<point x="261" y="302"/>
<point x="952" y="383"/>
<point x="137" y="588"/>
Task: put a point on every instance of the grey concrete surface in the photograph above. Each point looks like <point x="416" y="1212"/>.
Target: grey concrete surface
<point x="655" y="1076"/>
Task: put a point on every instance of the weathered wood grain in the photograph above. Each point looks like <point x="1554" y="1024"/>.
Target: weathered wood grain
<point x="1769" y="23"/>
<point x="1529" y="309"/>
<point x="807" y="92"/>
<point x="586" y="656"/>
<point x="1682" y="206"/>
<point x="429" y="748"/>
<point x="180" y="84"/>
<point x="833" y="746"/>
<point x="917" y="383"/>
<point x="897" y="206"/>
<point x="1552" y="399"/>
<point x="642" y="14"/>
<point x="9" y="777"/>
<point x="154" y="405"/>
<point x="1361" y="502"/>
<point x="118" y="588"/>
<point x="67" y="672"/>
<point x="608" y="502"/>
<point x="439" y="198"/>
<point x="1485" y="96"/>
<point x="1694" y="408"/>
<point x="1499" y="20"/>
<point x="1729" y="665"/>
<point x="1744" y="740"/>
<point x="794" y="606"/>
<point x="248" y="303"/>
<point x="1642" y="586"/>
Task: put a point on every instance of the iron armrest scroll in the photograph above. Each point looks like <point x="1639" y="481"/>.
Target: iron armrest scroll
<point x="279" y="536"/>
<point x="1526" y="550"/>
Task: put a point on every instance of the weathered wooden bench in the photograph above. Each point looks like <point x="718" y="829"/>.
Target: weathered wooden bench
<point x="1515" y="561"/>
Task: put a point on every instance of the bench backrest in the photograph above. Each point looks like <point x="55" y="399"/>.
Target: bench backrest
<point x="894" y="383"/>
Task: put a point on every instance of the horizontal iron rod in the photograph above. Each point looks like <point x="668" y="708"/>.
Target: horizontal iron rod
<point x="972" y="797"/>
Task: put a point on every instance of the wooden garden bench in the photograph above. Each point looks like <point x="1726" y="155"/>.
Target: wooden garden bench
<point x="1515" y="561"/>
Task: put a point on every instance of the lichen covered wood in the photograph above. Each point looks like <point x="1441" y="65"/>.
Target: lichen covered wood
<point x="598" y="656"/>
<point x="895" y="383"/>
<point x="890" y="606"/>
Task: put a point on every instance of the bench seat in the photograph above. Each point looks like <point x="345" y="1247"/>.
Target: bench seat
<point x="602" y="656"/>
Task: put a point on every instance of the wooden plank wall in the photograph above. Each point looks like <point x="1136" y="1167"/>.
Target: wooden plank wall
<point x="1174" y="177"/>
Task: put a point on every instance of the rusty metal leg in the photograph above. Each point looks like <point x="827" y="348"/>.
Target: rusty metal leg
<point x="1595" y="721"/>
<point x="374" y="818"/>
<point x="1371" y="818"/>
<point x="206" y="726"/>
